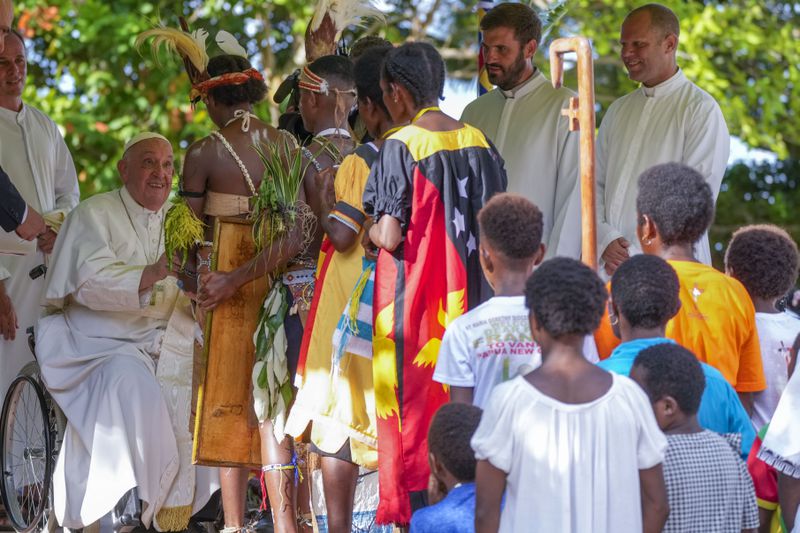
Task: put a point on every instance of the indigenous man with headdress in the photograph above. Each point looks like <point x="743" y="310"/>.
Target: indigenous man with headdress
<point x="335" y="384"/>
<point x="116" y="354"/>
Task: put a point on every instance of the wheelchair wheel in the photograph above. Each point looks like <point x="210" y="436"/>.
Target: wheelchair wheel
<point x="26" y="453"/>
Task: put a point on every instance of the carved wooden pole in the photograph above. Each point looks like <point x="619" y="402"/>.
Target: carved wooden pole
<point x="581" y="117"/>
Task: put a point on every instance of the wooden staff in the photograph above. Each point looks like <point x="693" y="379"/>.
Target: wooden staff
<point x="581" y="117"/>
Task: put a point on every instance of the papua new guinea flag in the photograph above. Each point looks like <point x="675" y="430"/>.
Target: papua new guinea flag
<point x="434" y="183"/>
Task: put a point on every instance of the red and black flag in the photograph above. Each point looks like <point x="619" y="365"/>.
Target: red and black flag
<point x="434" y="183"/>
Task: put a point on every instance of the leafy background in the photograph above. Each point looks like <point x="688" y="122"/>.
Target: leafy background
<point x="85" y="73"/>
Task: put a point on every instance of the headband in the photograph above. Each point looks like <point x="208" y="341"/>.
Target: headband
<point x="227" y="79"/>
<point x="317" y="84"/>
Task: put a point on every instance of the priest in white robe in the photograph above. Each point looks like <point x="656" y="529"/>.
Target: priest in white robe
<point x="522" y="117"/>
<point x="35" y="157"/>
<point x="667" y="119"/>
<point x="116" y="354"/>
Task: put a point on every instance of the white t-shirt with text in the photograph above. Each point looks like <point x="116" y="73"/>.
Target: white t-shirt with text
<point x="487" y="346"/>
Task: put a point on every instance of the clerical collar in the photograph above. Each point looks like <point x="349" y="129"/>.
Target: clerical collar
<point x="341" y="132"/>
<point x="665" y="87"/>
<point x="526" y="86"/>
<point x="8" y="114"/>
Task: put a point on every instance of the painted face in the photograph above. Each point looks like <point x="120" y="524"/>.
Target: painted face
<point x="13" y="69"/>
<point x="647" y="53"/>
<point x="505" y="58"/>
<point x="147" y="170"/>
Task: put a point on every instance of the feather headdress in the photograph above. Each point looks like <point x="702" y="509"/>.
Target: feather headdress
<point x="191" y="47"/>
<point x="330" y="19"/>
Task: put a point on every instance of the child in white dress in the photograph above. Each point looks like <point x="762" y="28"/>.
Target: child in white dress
<point x="573" y="447"/>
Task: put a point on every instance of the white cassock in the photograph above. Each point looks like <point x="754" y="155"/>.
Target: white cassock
<point x="541" y="154"/>
<point x="120" y="366"/>
<point x="673" y="122"/>
<point x="33" y="153"/>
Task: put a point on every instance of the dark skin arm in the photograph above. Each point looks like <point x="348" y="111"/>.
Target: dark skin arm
<point x="764" y="520"/>
<point x="217" y="287"/>
<point x="747" y="399"/>
<point x="789" y="498"/>
<point x="370" y="250"/>
<point x="461" y="394"/>
<point x="196" y="165"/>
<point x="655" y="508"/>
<point x="490" y="483"/>
<point x="342" y="237"/>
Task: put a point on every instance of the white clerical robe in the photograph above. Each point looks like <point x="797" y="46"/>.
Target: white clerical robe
<point x="673" y="122"/>
<point x="541" y="154"/>
<point x="119" y="365"/>
<point x="33" y="153"/>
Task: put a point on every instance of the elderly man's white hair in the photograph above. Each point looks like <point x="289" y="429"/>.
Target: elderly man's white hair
<point x="139" y="137"/>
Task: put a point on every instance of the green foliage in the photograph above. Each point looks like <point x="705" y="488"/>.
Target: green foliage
<point x="770" y="192"/>
<point x="182" y="230"/>
<point x="275" y="203"/>
<point x="85" y="73"/>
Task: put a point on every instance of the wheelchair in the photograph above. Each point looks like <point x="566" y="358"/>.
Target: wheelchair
<point x="32" y="430"/>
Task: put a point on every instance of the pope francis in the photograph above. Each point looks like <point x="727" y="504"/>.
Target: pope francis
<point x="116" y="354"/>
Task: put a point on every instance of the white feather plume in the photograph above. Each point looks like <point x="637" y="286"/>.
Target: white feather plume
<point x="178" y="42"/>
<point x="200" y="35"/>
<point x="345" y="13"/>
<point x="229" y="44"/>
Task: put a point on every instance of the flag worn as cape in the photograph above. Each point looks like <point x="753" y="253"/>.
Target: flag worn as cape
<point x="434" y="183"/>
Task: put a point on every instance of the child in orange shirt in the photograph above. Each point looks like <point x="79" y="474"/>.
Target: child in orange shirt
<point x="716" y="321"/>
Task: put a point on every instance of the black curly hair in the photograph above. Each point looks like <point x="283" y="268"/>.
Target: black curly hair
<point x="645" y="290"/>
<point x="566" y="297"/>
<point x="678" y="200"/>
<point x="419" y="68"/>
<point x="367" y="72"/>
<point x="367" y="43"/>
<point x="512" y="224"/>
<point x="449" y="434"/>
<point x="519" y="17"/>
<point x="764" y="258"/>
<point x="337" y="70"/>
<point x="251" y="92"/>
<point x="671" y="370"/>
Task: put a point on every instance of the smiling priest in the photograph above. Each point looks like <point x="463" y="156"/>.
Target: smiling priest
<point x="116" y="354"/>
